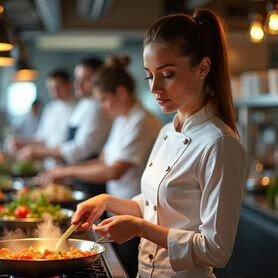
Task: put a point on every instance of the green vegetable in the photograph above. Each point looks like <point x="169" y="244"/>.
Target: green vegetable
<point x="4" y="168"/>
<point x="23" y="168"/>
<point x="5" y="182"/>
<point x="272" y="191"/>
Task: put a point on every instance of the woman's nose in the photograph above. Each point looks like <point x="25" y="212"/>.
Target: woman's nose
<point x="155" y="86"/>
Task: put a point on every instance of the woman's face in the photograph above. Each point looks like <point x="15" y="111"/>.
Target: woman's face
<point x="176" y="85"/>
<point x="109" y="102"/>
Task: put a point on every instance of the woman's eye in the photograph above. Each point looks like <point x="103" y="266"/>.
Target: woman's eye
<point x="168" y="75"/>
<point x="148" y="77"/>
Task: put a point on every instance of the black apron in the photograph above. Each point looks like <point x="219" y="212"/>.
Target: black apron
<point x="90" y="188"/>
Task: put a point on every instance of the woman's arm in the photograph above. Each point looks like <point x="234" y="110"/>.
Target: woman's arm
<point x="39" y="151"/>
<point x="95" y="172"/>
<point x="99" y="172"/>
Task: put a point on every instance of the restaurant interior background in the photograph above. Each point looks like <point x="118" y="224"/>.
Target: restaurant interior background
<point x="50" y="34"/>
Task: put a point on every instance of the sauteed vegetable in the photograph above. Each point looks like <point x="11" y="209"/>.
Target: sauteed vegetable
<point x="32" y="253"/>
<point x="25" y="207"/>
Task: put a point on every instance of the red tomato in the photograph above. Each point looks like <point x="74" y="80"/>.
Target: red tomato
<point x="1" y="209"/>
<point x="21" y="212"/>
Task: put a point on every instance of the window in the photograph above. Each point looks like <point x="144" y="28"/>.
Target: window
<point x="20" y="97"/>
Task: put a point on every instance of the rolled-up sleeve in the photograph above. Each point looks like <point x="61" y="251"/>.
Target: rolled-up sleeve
<point x="222" y="174"/>
<point x="139" y="199"/>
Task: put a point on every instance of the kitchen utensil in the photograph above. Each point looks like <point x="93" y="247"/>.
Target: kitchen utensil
<point x="103" y="240"/>
<point x="66" y="234"/>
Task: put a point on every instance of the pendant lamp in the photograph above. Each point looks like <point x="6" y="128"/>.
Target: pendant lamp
<point x="24" y="72"/>
<point x="5" y="43"/>
<point x="6" y="60"/>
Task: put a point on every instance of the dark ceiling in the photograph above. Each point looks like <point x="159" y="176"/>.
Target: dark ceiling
<point x="30" y="17"/>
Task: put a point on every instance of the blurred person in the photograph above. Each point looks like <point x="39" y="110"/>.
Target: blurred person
<point x="125" y="153"/>
<point x="54" y="122"/>
<point x="30" y="123"/>
<point x="192" y="187"/>
<point x="88" y="126"/>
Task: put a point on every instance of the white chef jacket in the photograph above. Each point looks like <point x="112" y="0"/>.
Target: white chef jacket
<point x="131" y="139"/>
<point x="29" y="126"/>
<point x="93" y="126"/>
<point x="53" y="127"/>
<point x="192" y="184"/>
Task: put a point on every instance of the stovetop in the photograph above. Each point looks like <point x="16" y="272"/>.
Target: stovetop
<point x="98" y="269"/>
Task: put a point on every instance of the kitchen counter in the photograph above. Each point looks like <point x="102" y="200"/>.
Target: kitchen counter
<point x="256" y="247"/>
<point x="260" y="204"/>
<point x="256" y="209"/>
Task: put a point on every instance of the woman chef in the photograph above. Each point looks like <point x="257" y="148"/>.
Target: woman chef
<point x="188" y="211"/>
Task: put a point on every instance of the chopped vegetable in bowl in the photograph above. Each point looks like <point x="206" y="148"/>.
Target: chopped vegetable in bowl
<point x="25" y="207"/>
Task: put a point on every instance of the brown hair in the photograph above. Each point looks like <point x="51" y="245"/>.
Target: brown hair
<point x="113" y="74"/>
<point x="92" y="63"/>
<point x="60" y="74"/>
<point x="203" y="35"/>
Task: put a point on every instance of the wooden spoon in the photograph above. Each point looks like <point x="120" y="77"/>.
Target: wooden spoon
<point x="66" y="234"/>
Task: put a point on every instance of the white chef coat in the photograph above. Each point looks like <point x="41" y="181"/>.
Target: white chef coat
<point x="53" y="127"/>
<point x="131" y="140"/>
<point x="29" y="126"/>
<point x="192" y="184"/>
<point x="93" y="126"/>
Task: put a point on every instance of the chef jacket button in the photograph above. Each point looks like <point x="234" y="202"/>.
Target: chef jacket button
<point x="165" y="137"/>
<point x="146" y="202"/>
<point x="185" y="141"/>
<point x="150" y="256"/>
<point x="155" y="208"/>
<point x="168" y="168"/>
<point x="150" y="164"/>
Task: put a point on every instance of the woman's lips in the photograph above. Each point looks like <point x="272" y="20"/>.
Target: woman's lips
<point x="162" y="101"/>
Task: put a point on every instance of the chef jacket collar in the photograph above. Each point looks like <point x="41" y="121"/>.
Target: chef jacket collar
<point x="196" y="119"/>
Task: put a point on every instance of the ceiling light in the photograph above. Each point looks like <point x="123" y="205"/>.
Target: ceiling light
<point x="2" y="9"/>
<point x="24" y="72"/>
<point x="256" y="30"/>
<point x="73" y="42"/>
<point x="5" y="44"/>
<point x="6" y="60"/>
<point x="271" y="22"/>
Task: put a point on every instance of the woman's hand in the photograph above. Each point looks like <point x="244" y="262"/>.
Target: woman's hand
<point x="32" y="152"/>
<point x="25" y="154"/>
<point x="55" y="175"/>
<point x="119" y="228"/>
<point x="89" y="211"/>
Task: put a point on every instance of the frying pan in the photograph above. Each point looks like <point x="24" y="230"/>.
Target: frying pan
<point x="47" y="267"/>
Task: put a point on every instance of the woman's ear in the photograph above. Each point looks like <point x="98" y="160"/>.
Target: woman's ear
<point x="121" y="93"/>
<point x="204" y="67"/>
